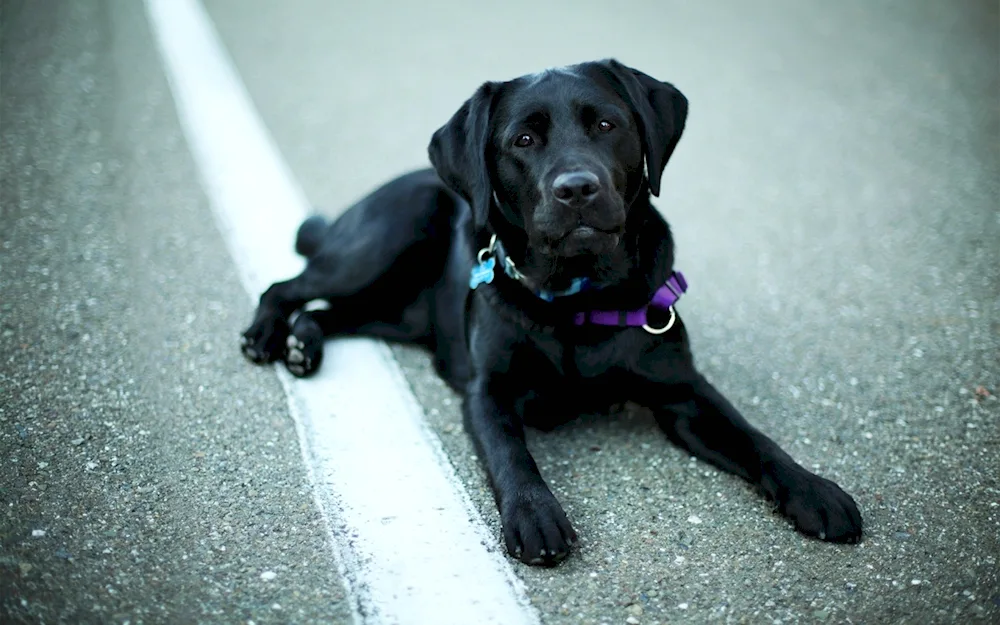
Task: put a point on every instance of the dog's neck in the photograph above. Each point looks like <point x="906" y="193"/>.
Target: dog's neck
<point x="627" y="266"/>
<point x="576" y="284"/>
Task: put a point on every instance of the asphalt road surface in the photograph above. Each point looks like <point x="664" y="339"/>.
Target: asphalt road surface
<point x="836" y="202"/>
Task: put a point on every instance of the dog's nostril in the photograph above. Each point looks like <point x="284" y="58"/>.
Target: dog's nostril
<point x="577" y="185"/>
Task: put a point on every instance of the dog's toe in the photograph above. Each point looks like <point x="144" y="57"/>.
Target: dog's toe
<point x="296" y="360"/>
<point x="302" y="359"/>
<point x="254" y="354"/>
<point x="536" y="530"/>
<point x="820" y="508"/>
<point x="263" y="341"/>
<point x="294" y="355"/>
<point x="304" y="347"/>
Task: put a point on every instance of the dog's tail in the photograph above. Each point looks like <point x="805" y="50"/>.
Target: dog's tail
<point x="310" y="235"/>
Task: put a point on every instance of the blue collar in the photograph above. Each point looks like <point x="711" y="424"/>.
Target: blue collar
<point x="484" y="272"/>
<point x="577" y="285"/>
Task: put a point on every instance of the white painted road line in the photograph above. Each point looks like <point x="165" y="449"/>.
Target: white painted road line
<point x="410" y="546"/>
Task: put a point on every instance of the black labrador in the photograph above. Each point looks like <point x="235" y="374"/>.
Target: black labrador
<point x="533" y="266"/>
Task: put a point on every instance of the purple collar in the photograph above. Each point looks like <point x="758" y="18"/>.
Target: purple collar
<point x="664" y="299"/>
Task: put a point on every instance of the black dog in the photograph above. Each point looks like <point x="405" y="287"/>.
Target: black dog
<point x="535" y="269"/>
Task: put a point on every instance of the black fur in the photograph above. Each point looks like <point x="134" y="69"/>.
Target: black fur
<point x="553" y="164"/>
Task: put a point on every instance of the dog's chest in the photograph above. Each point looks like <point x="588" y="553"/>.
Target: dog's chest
<point x="573" y="359"/>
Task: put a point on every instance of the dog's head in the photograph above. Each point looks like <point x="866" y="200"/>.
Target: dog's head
<point x="552" y="163"/>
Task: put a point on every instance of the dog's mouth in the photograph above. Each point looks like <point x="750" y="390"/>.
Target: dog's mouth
<point x="584" y="230"/>
<point x="583" y="251"/>
<point x="587" y="239"/>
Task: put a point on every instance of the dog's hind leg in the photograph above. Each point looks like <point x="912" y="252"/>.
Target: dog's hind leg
<point x="304" y="345"/>
<point x="372" y="262"/>
<point x="335" y="273"/>
<point x="265" y="339"/>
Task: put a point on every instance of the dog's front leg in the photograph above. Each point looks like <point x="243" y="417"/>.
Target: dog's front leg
<point x="535" y="527"/>
<point x="708" y="426"/>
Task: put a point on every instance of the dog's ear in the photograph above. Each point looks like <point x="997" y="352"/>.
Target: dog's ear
<point x="662" y="111"/>
<point x="458" y="152"/>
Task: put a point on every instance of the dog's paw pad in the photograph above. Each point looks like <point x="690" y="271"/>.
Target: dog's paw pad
<point x="253" y="353"/>
<point x="301" y="359"/>
<point x="295" y="355"/>
<point x="297" y="362"/>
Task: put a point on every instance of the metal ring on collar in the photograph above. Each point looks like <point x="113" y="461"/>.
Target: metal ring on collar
<point x="670" y="324"/>
<point x="487" y="250"/>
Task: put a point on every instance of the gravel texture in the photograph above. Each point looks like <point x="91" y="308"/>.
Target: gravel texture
<point x="149" y="476"/>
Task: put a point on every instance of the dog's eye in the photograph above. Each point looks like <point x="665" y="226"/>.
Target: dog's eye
<point x="605" y="126"/>
<point x="524" y="141"/>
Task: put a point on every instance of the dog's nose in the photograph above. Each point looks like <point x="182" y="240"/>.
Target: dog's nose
<point x="576" y="187"/>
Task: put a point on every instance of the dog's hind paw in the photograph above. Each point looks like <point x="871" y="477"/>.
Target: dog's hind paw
<point x="304" y="348"/>
<point x="263" y="342"/>
<point x="296" y="359"/>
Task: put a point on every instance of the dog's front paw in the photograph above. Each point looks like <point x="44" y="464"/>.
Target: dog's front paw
<point x="820" y="508"/>
<point x="264" y="341"/>
<point x="535" y="528"/>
